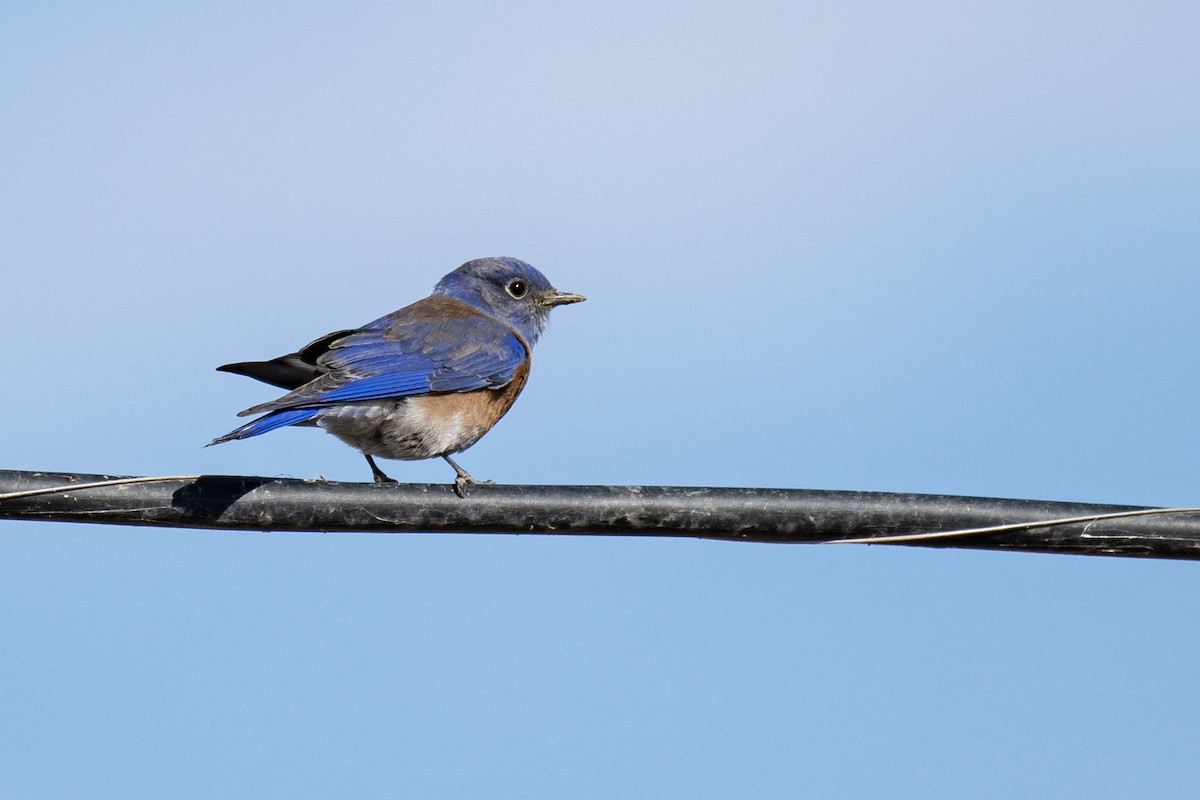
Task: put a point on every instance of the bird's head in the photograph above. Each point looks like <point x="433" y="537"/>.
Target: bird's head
<point x="509" y="290"/>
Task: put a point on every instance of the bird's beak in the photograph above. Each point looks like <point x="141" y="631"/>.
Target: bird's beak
<point x="556" y="298"/>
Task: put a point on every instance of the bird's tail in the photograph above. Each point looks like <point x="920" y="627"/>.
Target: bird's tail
<point x="276" y="419"/>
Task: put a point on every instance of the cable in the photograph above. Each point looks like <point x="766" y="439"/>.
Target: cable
<point x="758" y="515"/>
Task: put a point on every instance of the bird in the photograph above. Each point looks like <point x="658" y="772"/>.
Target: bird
<point x="425" y="381"/>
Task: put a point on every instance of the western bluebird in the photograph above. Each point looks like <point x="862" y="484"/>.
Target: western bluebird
<point x="427" y="380"/>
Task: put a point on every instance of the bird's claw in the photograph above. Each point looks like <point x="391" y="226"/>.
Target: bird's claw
<point x="464" y="480"/>
<point x="379" y="475"/>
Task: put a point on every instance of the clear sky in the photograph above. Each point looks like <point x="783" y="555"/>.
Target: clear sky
<point x="938" y="247"/>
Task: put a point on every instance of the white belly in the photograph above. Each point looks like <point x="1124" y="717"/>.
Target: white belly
<point x="405" y="428"/>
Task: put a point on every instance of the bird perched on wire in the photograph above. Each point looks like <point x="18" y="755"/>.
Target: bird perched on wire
<point x="427" y="380"/>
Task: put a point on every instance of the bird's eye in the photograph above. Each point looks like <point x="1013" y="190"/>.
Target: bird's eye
<point x="517" y="289"/>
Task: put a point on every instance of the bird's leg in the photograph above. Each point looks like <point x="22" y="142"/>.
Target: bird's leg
<point x="380" y="476"/>
<point x="464" y="478"/>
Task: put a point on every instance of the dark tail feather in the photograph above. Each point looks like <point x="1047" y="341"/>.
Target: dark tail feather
<point x="291" y="371"/>
<point x="270" y="422"/>
<point x="286" y="372"/>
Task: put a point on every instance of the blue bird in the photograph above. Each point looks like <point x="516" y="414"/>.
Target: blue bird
<point x="427" y="380"/>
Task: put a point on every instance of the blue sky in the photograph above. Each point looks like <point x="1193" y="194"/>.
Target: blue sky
<point x="948" y="248"/>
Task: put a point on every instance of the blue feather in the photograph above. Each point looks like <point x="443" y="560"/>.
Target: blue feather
<point x="411" y="358"/>
<point x="276" y="419"/>
<point x="395" y="384"/>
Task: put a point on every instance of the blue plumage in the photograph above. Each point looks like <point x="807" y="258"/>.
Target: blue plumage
<point x="427" y="380"/>
<point x="281" y="419"/>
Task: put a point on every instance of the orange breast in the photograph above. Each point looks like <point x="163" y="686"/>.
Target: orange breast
<point x="466" y="416"/>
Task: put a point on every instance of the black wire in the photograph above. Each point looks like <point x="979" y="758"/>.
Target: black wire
<point x="761" y="515"/>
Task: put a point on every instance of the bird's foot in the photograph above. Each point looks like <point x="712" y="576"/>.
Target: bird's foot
<point x="464" y="479"/>
<point x="379" y="475"/>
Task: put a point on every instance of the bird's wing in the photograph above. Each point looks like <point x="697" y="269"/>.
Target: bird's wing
<point x="430" y="346"/>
